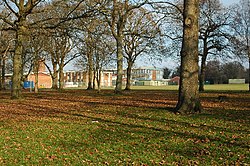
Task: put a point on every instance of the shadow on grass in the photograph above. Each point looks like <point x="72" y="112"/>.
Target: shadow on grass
<point x="118" y="134"/>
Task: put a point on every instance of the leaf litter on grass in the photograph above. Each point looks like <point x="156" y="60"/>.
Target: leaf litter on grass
<point x="138" y="127"/>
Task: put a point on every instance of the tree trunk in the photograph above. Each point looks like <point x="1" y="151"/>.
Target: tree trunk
<point x="203" y="67"/>
<point x="188" y="101"/>
<point x="129" y="70"/>
<point x="248" y="55"/>
<point x="98" y="79"/>
<point x="61" y="77"/>
<point x="118" y="88"/>
<point x="1" y="79"/>
<point x="90" y="70"/>
<point x="36" y="67"/>
<point x="17" y="62"/>
<point x="3" y="73"/>
<point x="55" y="77"/>
<point x="94" y="78"/>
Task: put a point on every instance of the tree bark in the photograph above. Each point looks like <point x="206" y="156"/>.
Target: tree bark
<point x="94" y="78"/>
<point x="1" y="80"/>
<point x="61" y="77"/>
<point x="129" y="71"/>
<point x="188" y="100"/>
<point x="98" y="80"/>
<point x="90" y="69"/>
<point x="203" y="67"/>
<point x="248" y="54"/>
<point x="249" y="73"/>
<point x="17" y="61"/>
<point x="54" y="76"/>
<point x="36" y="67"/>
<point x="118" y="88"/>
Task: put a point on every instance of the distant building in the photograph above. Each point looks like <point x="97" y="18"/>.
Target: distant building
<point x="237" y="81"/>
<point x="142" y="76"/>
<point x="80" y="78"/>
<point x="147" y="74"/>
<point x="44" y="78"/>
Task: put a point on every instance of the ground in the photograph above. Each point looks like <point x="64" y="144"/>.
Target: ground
<point x="79" y="127"/>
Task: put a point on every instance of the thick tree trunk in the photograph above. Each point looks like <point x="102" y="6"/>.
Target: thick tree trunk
<point x="55" y="77"/>
<point x="17" y="62"/>
<point x="118" y="88"/>
<point x="129" y="71"/>
<point x="188" y="101"/>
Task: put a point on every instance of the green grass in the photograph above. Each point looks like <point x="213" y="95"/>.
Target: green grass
<point x="215" y="87"/>
<point x="84" y="128"/>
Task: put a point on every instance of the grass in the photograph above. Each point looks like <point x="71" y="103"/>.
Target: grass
<point x="214" y="87"/>
<point x="79" y="127"/>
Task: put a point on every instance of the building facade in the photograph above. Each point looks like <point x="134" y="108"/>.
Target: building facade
<point x="149" y="76"/>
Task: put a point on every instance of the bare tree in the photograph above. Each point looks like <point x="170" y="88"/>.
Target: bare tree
<point x="96" y="46"/>
<point x="116" y="17"/>
<point x="188" y="101"/>
<point x="17" y="21"/>
<point x="241" y="29"/>
<point x="142" y="36"/>
<point x="213" y="35"/>
<point x="6" y="47"/>
<point x="59" y="48"/>
<point x="37" y="46"/>
<point x="17" y="14"/>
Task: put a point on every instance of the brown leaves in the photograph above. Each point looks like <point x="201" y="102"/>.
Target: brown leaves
<point x="77" y="126"/>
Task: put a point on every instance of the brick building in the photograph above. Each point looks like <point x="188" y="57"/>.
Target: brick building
<point x="44" y="78"/>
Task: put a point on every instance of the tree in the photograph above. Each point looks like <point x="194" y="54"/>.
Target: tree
<point x="59" y="48"/>
<point x="6" y="47"/>
<point x="213" y="37"/>
<point x="142" y="36"/>
<point x="17" y="21"/>
<point x="241" y="29"/>
<point x="233" y="70"/>
<point x="166" y="73"/>
<point x="96" y="45"/>
<point x="176" y="72"/>
<point x="37" y="42"/>
<point x="116" y="16"/>
<point x="16" y="15"/>
<point x="214" y="72"/>
<point x="188" y="100"/>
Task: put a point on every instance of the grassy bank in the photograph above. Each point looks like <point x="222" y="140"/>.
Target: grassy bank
<point x="78" y="127"/>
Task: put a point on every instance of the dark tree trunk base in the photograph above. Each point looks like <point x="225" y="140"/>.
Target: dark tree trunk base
<point x="119" y="92"/>
<point x="191" y="107"/>
<point x="127" y="89"/>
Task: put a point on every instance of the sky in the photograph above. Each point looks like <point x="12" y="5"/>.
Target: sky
<point x="170" y="63"/>
<point x="229" y="2"/>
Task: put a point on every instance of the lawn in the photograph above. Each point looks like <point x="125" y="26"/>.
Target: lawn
<point x="79" y="127"/>
<point x="213" y="87"/>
